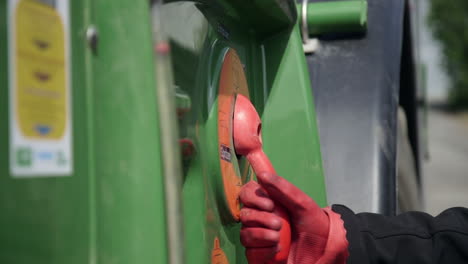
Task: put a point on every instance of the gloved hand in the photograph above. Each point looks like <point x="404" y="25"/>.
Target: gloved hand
<point x="318" y="235"/>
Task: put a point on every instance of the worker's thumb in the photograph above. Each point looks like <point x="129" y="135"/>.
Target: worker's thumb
<point x="295" y="201"/>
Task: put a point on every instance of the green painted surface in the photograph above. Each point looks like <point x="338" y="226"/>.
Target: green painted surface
<point x="275" y="67"/>
<point x="289" y="126"/>
<point x="129" y="184"/>
<point x="111" y="209"/>
<point x="336" y="17"/>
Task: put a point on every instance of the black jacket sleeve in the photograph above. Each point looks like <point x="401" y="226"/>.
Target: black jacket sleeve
<point x="412" y="237"/>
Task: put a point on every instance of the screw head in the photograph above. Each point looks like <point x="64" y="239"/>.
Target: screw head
<point x="92" y="37"/>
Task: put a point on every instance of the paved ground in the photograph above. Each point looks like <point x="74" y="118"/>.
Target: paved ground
<point x="446" y="173"/>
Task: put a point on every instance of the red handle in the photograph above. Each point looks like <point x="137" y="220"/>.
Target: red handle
<point x="248" y="142"/>
<point x="260" y="163"/>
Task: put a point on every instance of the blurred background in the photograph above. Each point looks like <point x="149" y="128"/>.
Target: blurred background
<point x="443" y="41"/>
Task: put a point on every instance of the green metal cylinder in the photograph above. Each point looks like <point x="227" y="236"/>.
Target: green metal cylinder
<point x="335" y="17"/>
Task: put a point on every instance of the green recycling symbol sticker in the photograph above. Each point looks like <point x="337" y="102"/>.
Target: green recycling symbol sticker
<point x="24" y="157"/>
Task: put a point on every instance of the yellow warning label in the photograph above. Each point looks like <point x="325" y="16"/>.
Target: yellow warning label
<point x="40" y="90"/>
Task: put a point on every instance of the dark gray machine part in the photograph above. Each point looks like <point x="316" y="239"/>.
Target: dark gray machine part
<point x="355" y="81"/>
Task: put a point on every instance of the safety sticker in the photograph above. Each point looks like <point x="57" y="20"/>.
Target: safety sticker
<point x="39" y="88"/>
<point x="217" y="254"/>
<point x="225" y="153"/>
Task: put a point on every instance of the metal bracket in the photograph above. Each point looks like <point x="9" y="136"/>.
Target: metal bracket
<point x="310" y="45"/>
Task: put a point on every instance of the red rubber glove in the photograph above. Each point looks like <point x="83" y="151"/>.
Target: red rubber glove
<point x="318" y="235"/>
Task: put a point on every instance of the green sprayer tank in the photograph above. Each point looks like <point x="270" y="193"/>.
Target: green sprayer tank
<point x="116" y="126"/>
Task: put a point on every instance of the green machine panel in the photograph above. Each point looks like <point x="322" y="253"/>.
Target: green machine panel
<point x="109" y="206"/>
<point x="45" y="218"/>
